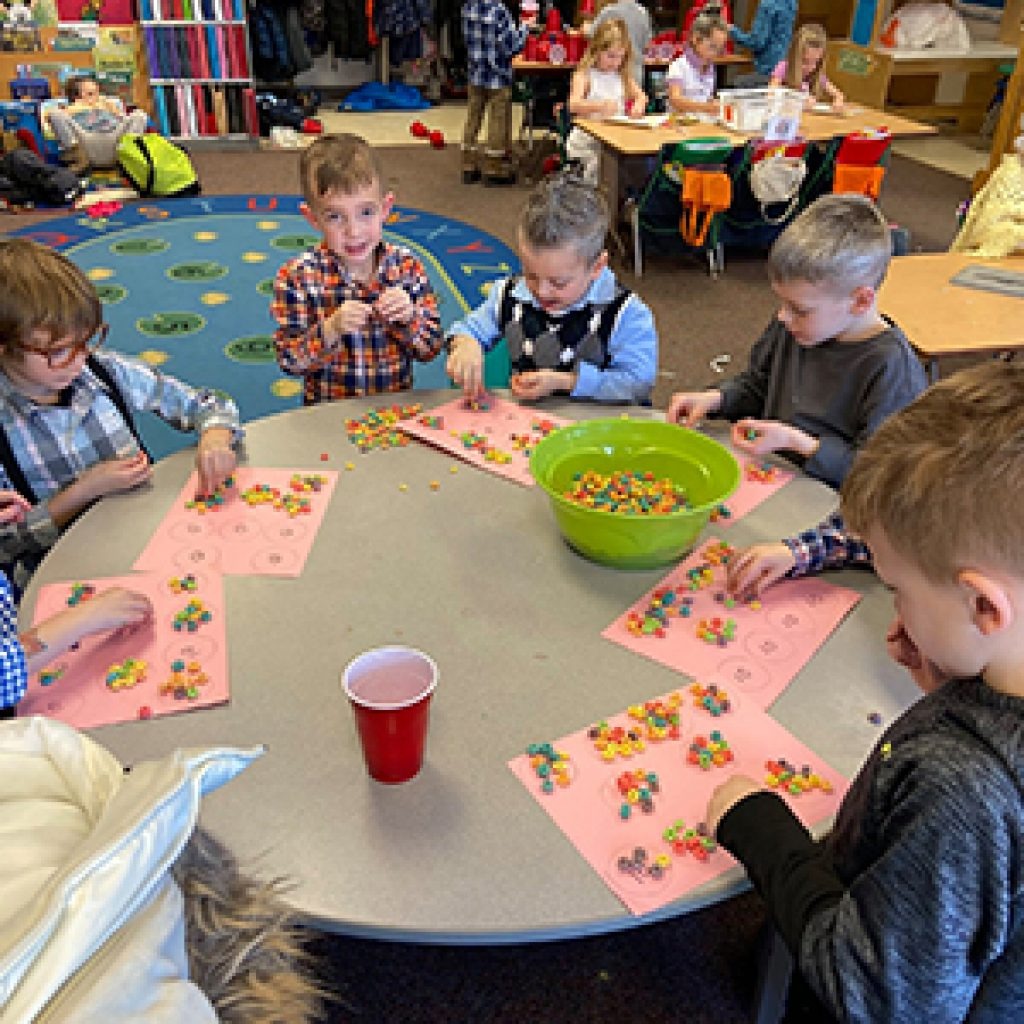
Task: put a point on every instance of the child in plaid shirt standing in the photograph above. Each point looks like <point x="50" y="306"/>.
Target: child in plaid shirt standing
<point x="354" y="311"/>
<point x="492" y="40"/>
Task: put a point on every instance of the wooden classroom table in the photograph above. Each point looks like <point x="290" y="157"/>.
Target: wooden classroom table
<point x="944" y="319"/>
<point x="627" y="152"/>
<point x="477" y="575"/>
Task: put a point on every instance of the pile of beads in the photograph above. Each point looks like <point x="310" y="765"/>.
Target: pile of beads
<point x="549" y="765"/>
<point x="125" y="675"/>
<point x="712" y="699"/>
<point x="717" y="552"/>
<point x="522" y="443"/>
<point x="783" y="775"/>
<point x="614" y="741"/>
<point x="542" y="427"/>
<point x="720" y="512"/>
<point x="183" y="584"/>
<point x="191" y="617"/>
<point x="659" y="719"/>
<point x="48" y="676"/>
<point x="301" y="482"/>
<point x="694" y="841"/>
<point x="627" y="493"/>
<point x="730" y="602"/>
<point x="653" y="620"/>
<point x="637" y="789"/>
<point x="436" y="422"/>
<point x="750" y="434"/>
<point x="478" y="442"/>
<point x="184" y="681"/>
<point x="638" y="866"/>
<point x="80" y="592"/>
<point x="376" y="429"/>
<point x="711" y="752"/>
<point x="716" y="631"/>
<point x="290" y="502"/>
<point x="761" y="473"/>
<point x="478" y="405"/>
<point x="211" y="502"/>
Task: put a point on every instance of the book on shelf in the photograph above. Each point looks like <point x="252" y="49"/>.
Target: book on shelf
<point x="197" y="51"/>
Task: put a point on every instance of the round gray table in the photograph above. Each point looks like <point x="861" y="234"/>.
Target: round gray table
<point x="477" y="575"/>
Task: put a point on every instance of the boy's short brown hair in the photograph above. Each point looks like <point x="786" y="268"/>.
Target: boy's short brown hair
<point x="840" y="242"/>
<point x="73" y="86"/>
<point x="43" y="290"/>
<point x="944" y="478"/>
<point x="337" y="163"/>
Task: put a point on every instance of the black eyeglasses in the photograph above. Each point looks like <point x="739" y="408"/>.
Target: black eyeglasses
<point x="65" y="355"/>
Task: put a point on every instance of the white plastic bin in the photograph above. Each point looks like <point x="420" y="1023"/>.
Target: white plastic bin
<point x="751" y="110"/>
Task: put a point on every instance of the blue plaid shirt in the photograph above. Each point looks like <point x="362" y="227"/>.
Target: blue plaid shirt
<point x="54" y="444"/>
<point x="13" y="670"/>
<point x="828" y="546"/>
<point x="770" y="35"/>
<point x="492" y="40"/>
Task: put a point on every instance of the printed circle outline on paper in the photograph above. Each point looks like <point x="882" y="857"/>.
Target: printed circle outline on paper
<point x="739" y="673"/>
<point x="767" y="646"/>
<point x="790" y="621"/>
<point x="191" y="558"/>
<point x="274" y="561"/>
<point x="286" y="531"/>
<point x="191" y="531"/>
<point x="187" y="647"/>
<point x="633" y="883"/>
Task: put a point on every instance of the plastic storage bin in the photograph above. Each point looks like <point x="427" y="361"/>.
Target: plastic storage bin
<point x="751" y="110"/>
<point x="29" y="88"/>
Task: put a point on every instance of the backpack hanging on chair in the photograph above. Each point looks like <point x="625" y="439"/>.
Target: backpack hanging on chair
<point x="157" y="167"/>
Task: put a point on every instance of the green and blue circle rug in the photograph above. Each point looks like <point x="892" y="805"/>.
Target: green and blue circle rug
<point x="186" y="285"/>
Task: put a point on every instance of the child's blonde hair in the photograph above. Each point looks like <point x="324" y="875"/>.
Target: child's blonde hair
<point x="807" y="35"/>
<point x="944" y="478"/>
<point x="337" y="163"/>
<point x="43" y="291"/>
<point x="564" y="210"/>
<point x="840" y="242"/>
<point x="608" y="34"/>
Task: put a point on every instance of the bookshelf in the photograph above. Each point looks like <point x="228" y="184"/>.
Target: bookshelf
<point x="199" y="68"/>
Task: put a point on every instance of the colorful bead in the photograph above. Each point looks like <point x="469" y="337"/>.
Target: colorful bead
<point x="80" y="592"/>
<point x="781" y="774"/>
<point x="552" y="767"/>
<point x="377" y="428"/>
<point x="627" y="493"/>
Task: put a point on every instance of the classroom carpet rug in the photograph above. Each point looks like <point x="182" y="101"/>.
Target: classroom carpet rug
<point x="186" y="286"/>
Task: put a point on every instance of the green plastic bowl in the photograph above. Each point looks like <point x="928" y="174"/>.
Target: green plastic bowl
<point x="705" y="470"/>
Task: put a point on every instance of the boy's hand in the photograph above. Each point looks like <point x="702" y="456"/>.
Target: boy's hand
<point x="760" y="437"/>
<point x="114" y="476"/>
<point x="394" y="306"/>
<point x="533" y="384"/>
<point x="725" y="797"/>
<point x="215" y="460"/>
<point x="13" y="507"/>
<point x="905" y="652"/>
<point x="350" y="317"/>
<point x="758" y="567"/>
<point x="465" y="365"/>
<point x="690" y="407"/>
<point x="115" y="609"/>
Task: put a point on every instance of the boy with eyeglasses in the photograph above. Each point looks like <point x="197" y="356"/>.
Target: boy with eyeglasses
<point x="67" y="435"/>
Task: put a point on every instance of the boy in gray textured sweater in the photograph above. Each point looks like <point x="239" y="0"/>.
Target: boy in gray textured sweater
<point x="912" y="909"/>
<point x="830" y="368"/>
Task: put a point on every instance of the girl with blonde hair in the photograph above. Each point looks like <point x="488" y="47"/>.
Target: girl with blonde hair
<point x="804" y="69"/>
<point x="602" y="86"/>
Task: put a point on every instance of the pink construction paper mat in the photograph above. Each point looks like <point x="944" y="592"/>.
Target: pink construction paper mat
<point x="768" y="645"/>
<point x="477" y="432"/>
<point x="238" y="539"/>
<point x="588" y="809"/>
<point x="78" y="693"/>
<point x="759" y="480"/>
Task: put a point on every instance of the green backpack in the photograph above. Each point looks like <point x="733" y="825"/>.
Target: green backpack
<point x="157" y="167"/>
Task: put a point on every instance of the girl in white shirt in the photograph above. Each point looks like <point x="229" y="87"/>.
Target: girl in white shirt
<point x="691" y="77"/>
<point x="602" y="86"/>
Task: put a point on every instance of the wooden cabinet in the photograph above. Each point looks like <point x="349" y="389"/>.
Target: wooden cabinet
<point x="952" y="87"/>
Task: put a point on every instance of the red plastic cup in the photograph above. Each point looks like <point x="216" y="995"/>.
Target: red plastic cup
<point x="390" y="690"/>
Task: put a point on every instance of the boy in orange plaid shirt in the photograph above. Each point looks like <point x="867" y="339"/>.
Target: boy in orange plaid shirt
<point x="354" y="311"/>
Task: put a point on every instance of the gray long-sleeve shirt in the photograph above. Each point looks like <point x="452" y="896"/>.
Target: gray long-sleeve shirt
<point x="839" y="391"/>
<point x="912" y="908"/>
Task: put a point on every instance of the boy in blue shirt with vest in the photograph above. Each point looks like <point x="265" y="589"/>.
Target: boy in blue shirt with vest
<point x="571" y="328"/>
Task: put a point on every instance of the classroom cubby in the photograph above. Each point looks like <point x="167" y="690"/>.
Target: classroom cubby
<point x="947" y="87"/>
